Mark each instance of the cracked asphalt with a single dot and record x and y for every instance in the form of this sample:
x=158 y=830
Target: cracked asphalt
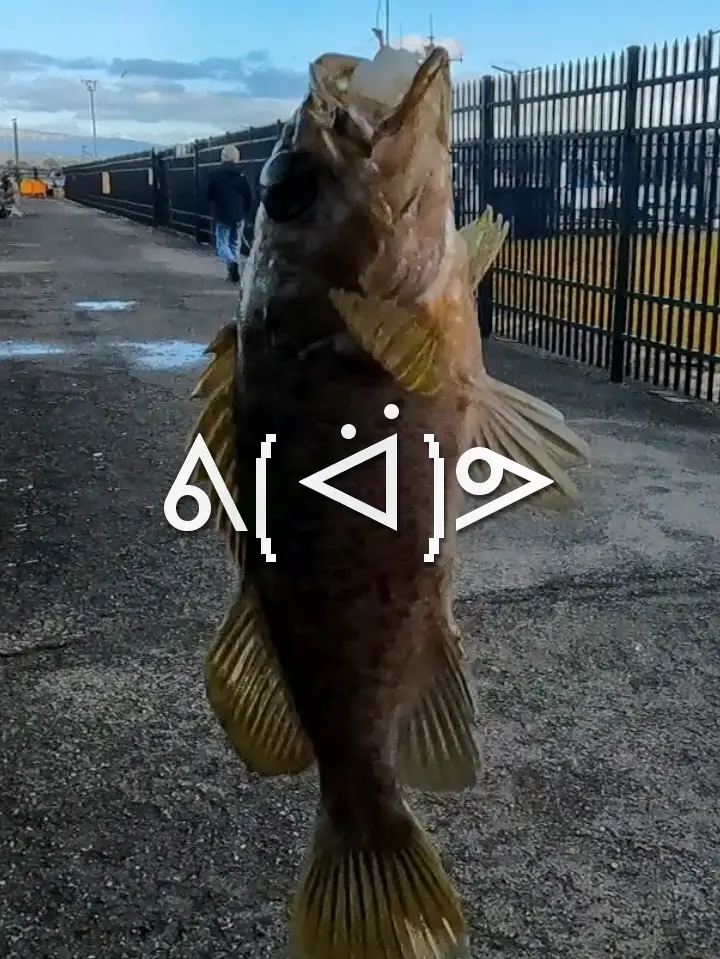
x=127 y=828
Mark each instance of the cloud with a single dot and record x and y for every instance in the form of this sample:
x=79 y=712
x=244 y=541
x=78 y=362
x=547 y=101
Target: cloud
x=213 y=95
x=417 y=44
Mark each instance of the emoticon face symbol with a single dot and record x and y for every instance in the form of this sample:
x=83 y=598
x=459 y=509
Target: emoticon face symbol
x=388 y=447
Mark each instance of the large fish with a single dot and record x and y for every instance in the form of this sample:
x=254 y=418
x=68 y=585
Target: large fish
x=359 y=296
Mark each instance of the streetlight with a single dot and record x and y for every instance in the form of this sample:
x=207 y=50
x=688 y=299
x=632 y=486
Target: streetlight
x=16 y=147
x=91 y=87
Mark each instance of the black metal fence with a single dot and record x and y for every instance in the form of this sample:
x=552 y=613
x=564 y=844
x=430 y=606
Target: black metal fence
x=609 y=171
x=166 y=188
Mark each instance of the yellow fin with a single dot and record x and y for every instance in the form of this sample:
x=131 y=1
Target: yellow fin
x=376 y=903
x=224 y=339
x=398 y=340
x=218 y=372
x=436 y=747
x=249 y=697
x=219 y=437
x=216 y=422
x=484 y=239
x=533 y=434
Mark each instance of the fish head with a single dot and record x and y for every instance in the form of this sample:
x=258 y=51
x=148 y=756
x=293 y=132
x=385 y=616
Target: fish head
x=357 y=193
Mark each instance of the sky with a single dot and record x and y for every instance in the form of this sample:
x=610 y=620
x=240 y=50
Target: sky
x=172 y=70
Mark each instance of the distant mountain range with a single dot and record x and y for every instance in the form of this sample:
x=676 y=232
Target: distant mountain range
x=37 y=145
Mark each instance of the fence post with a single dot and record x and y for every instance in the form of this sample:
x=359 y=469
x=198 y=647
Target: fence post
x=627 y=218
x=485 y=297
x=196 y=189
x=155 y=188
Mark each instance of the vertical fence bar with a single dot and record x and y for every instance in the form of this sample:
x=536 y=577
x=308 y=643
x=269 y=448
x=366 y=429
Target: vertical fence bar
x=485 y=291
x=627 y=217
x=155 y=188
x=196 y=189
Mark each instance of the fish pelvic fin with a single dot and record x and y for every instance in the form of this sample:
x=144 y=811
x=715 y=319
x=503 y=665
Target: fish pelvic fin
x=484 y=238
x=396 y=339
x=248 y=694
x=436 y=747
x=531 y=433
x=363 y=903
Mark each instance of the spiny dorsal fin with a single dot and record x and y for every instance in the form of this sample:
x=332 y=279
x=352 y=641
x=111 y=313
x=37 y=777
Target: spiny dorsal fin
x=216 y=424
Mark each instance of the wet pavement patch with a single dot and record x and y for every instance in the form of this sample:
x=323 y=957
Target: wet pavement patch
x=11 y=349
x=105 y=306
x=166 y=354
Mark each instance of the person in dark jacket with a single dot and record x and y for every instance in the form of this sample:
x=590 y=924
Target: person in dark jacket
x=230 y=199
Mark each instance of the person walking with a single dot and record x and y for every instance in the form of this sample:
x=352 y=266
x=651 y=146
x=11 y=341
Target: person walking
x=11 y=195
x=230 y=199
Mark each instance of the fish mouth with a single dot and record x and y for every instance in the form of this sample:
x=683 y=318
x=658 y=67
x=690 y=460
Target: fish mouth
x=365 y=116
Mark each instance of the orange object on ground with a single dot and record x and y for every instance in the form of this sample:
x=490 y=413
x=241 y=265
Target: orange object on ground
x=29 y=186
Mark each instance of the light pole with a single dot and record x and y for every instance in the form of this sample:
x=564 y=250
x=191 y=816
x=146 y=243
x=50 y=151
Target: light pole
x=91 y=87
x=16 y=147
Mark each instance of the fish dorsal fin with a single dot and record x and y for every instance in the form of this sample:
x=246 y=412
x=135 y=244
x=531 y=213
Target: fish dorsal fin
x=216 y=425
x=483 y=238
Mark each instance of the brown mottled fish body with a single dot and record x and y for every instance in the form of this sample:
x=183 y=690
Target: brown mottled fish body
x=359 y=294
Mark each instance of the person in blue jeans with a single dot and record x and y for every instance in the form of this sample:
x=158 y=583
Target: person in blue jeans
x=230 y=199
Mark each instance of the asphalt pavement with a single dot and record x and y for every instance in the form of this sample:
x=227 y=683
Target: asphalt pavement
x=127 y=828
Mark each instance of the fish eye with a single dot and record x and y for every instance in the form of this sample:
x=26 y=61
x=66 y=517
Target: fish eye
x=289 y=185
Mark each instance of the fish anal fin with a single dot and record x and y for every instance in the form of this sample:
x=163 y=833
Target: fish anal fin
x=436 y=746
x=406 y=345
x=249 y=697
x=367 y=901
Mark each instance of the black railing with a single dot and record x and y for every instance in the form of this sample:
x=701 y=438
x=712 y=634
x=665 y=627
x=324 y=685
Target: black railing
x=609 y=172
x=166 y=188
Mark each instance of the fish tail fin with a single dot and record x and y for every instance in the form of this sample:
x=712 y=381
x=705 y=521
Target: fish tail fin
x=391 y=900
x=484 y=238
x=533 y=435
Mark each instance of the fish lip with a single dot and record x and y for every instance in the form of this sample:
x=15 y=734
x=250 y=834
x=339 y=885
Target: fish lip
x=433 y=67
x=330 y=75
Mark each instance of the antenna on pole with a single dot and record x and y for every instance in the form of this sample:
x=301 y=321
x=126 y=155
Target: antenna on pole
x=430 y=44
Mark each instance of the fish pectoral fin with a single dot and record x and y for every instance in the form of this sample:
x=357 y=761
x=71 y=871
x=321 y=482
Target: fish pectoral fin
x=366 y=902
x=531 y=433
x=402 y=343
x=484 y=239
x=436 y=747
x=248 y=694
